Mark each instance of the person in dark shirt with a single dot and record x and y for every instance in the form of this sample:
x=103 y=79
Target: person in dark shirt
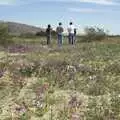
x=48 y=34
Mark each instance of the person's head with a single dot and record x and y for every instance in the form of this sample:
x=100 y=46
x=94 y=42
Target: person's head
x=60 y=23
x=49 y=26
x=71 y=23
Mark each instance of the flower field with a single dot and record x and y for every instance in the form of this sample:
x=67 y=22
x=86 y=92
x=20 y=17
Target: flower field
x=39 y=82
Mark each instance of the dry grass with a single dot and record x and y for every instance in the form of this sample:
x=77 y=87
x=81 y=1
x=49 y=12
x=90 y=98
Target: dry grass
x=71 y=83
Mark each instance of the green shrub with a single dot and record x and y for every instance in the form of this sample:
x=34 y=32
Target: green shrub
x=27 y=35
x=94 y=34
x=41 y=33
x=4 y=36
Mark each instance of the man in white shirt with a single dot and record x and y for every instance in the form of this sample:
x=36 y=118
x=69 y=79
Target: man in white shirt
x=71 y=29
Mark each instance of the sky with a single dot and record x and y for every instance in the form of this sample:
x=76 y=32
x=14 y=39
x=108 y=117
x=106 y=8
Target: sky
x=101 y=13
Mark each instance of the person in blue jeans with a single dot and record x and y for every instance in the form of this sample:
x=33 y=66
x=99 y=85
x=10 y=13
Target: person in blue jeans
x=71 y=35
x=60 y=31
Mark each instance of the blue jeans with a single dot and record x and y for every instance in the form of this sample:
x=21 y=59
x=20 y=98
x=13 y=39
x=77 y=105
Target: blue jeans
x=71 y=39
x=60 y=37
x=74 y=38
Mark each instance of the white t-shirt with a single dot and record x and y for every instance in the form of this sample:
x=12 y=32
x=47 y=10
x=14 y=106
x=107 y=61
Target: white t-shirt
x=71 y=29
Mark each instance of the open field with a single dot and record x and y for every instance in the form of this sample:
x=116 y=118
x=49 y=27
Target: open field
x=79 y=82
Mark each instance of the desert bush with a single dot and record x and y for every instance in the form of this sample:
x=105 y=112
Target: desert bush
x=54 y=33
x=113 y=68
x=94 y=34
x=98 y=109
x=41 y=33
x=3 y=31
x=4 y=36
x=28 y=35
x=115 y=105
x=19 y=49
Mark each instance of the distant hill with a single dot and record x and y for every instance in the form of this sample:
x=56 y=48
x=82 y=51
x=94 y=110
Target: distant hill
x=19 y=28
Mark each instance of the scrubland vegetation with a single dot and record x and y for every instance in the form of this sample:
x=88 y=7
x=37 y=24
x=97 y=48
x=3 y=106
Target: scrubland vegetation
x=39 y=82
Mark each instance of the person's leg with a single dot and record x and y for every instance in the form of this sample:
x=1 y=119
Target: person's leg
x=61 y=37
x=48 y=39
x=69 y=38
x=59 y=40
x=72 y=39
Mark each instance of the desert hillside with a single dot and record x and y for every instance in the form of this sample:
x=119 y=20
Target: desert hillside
x=15 y=28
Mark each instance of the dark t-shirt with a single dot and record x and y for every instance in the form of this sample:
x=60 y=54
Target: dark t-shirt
x=48 y=31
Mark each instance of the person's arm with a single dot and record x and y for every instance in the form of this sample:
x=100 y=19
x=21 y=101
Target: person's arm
x=57 y=29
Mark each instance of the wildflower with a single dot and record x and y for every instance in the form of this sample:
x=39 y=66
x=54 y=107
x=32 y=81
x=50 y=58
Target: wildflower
x=75 y=116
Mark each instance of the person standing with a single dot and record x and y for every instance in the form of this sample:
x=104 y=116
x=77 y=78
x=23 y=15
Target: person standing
x=60 y=31
x=48 y=34
x=71 y=33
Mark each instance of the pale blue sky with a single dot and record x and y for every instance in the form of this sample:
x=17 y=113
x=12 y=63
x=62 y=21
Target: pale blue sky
x=101 y=13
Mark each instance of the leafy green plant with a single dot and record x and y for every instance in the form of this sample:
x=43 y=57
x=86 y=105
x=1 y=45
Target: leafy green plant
x=94 y=34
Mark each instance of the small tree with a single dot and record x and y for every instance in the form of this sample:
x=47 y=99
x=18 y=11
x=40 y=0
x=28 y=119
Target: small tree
x=94 y=34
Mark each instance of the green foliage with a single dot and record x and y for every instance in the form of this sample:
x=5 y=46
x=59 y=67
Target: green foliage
x=4 y=37
x=25 y=116
x=41 y=33
x=27 y=35
x=94 y=34
x=3 y=30
x=27 y=71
